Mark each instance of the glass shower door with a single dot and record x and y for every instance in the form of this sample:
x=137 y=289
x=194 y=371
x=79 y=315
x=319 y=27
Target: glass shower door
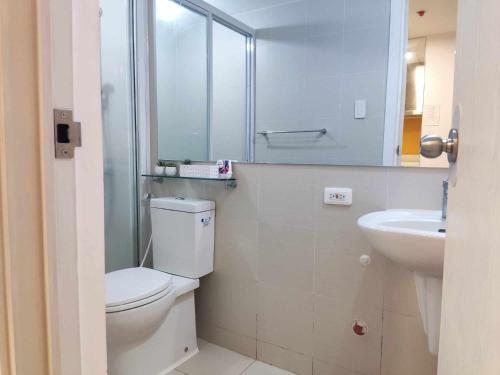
x=120 y=192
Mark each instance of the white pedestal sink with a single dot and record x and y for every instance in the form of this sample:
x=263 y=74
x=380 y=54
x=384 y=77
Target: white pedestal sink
x=414 y=239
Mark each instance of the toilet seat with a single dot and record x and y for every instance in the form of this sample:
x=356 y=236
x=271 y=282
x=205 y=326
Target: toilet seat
x=134 y=287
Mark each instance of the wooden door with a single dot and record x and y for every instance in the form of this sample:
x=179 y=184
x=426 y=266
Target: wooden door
x=470 y=322
x=52 y=318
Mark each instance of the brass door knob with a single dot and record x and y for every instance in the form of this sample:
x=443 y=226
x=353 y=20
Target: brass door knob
x=432 y=146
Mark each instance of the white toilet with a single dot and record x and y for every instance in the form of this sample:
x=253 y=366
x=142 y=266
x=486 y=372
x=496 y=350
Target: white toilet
x=150 y=317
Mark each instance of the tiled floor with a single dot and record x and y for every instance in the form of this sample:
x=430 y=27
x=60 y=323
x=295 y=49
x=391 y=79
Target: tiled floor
x=214 y=360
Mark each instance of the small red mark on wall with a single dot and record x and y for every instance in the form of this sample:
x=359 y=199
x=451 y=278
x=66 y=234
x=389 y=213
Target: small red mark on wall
x=359 y=327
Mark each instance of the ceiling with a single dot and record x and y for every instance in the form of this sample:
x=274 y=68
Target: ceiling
x=233 y=7
x=440 y=17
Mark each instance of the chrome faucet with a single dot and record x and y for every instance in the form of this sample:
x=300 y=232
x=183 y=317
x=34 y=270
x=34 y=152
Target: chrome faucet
x=445 y=199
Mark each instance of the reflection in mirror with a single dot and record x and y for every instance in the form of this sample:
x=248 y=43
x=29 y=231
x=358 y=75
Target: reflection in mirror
x=414 y=101
x=430 y=60
x=415 y=77
x=201 y=82
x=314 y=61
x=181 y=82
x=229 y=121
x=302 y=81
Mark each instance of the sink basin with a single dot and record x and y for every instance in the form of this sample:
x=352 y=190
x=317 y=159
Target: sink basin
x=412 y=238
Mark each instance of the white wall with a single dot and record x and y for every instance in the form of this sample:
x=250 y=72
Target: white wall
x=314 y=58
x=438 y=93
x=288 y=283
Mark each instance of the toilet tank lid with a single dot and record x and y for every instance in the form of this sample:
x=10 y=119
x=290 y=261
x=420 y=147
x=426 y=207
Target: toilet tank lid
x=191 y=205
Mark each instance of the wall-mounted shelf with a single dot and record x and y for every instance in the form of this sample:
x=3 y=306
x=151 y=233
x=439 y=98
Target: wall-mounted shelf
x=228 y=182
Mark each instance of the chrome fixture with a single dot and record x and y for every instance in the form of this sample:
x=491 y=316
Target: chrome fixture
x=432 y=146
x=445 y=199
x=267 y=132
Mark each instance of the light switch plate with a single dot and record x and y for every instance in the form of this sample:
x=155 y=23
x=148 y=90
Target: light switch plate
x=360 y=109
x=339 y=196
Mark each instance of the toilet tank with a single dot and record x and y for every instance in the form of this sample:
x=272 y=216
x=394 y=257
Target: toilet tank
x=183 y=236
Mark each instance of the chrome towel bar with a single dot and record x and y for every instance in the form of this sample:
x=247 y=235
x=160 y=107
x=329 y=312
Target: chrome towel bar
x=267 y=132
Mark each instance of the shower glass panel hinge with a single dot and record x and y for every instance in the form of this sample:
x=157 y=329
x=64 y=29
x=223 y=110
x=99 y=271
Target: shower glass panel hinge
x=67 y=134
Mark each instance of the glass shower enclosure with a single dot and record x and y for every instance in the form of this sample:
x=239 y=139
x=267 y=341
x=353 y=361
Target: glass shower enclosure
x=119 y=135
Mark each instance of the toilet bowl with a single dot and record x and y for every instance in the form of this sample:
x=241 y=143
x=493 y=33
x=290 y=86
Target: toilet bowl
x=137 y=301
x=150 y=321
x=150 y=313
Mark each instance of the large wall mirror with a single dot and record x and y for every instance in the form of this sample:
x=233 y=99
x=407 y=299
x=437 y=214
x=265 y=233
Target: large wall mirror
x=338 y=82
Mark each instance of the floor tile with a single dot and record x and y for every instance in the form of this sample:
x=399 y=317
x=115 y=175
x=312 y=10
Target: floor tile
x=175 y=372
x=259 y=368
x=213 y=359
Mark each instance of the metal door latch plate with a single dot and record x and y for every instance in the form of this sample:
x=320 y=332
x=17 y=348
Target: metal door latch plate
x=67 y=134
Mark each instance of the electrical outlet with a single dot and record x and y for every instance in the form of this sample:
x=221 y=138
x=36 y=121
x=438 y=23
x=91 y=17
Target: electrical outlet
x=340 y=196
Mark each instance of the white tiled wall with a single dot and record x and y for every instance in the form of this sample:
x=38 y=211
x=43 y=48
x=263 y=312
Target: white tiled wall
x=314 y=59
x=288 y=283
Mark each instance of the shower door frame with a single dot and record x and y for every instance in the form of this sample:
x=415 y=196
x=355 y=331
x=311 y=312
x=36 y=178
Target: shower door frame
x=135 y=128
x=212 y=14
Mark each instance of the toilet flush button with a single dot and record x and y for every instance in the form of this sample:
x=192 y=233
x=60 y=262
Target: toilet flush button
x=340 y=196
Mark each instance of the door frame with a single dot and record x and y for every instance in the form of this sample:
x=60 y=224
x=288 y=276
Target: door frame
x=396 y=83
x=51 y=223
x=25 y=310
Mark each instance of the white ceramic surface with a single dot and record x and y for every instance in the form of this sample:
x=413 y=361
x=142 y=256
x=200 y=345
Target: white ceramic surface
x=213 y=359
x=150 y=315
x=152 y=339
x=183 y=236
x=408 y=237
x=159 y=170
x=170 y=171
x=412 y=239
